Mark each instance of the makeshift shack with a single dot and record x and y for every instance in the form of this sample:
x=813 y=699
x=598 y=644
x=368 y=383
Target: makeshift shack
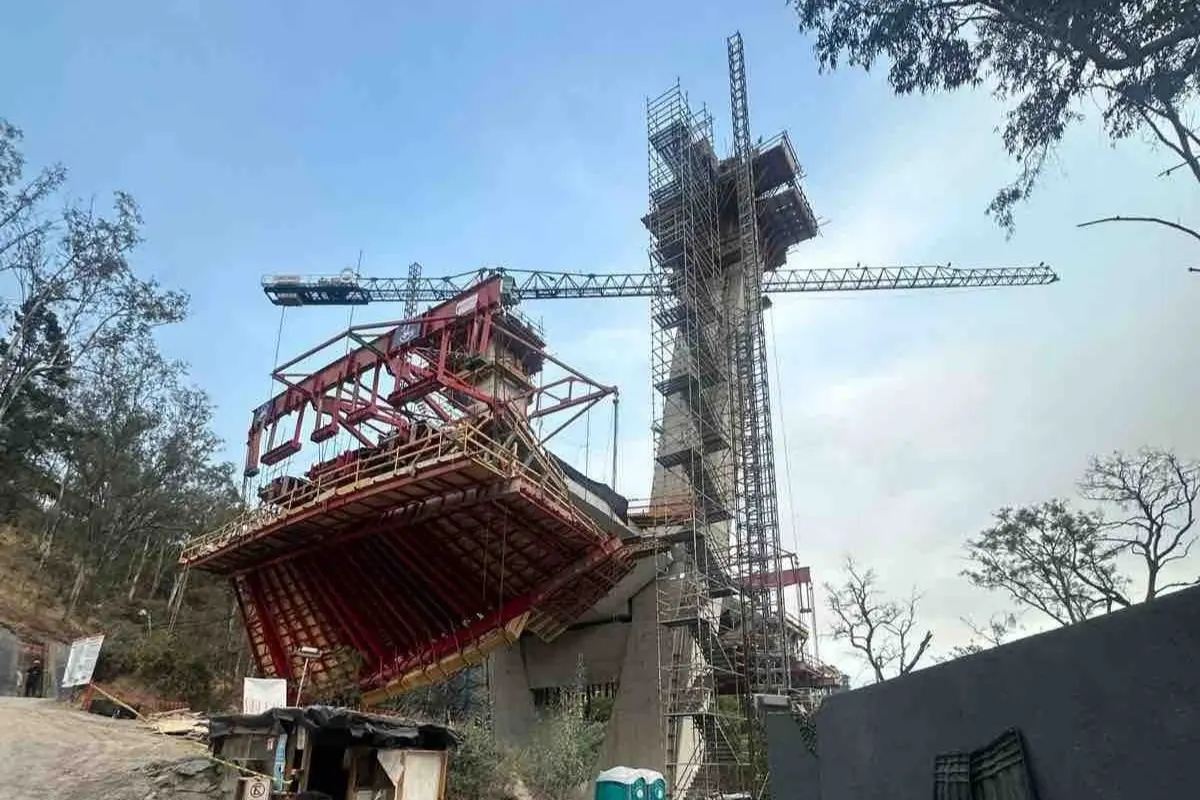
x=345 y=754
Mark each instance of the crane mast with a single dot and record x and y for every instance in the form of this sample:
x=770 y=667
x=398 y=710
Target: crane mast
x=757 y=547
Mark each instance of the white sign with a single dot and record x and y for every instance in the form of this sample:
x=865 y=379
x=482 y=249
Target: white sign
x=257 y=788
x=260 y=695
x=466 y=304
x=81 y=661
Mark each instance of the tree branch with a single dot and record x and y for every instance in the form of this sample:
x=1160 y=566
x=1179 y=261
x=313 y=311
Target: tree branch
x=1155 y=220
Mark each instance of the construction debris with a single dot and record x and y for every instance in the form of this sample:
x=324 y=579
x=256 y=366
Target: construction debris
x=183 y=723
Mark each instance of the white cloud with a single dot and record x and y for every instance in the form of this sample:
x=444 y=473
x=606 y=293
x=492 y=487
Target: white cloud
x=909 y=419
x=899 y=464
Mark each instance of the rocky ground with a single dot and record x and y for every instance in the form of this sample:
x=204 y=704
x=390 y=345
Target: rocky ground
x=53 y=752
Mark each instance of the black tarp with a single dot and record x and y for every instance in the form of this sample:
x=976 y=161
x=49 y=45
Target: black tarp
x=370 y=730
x=602 y=490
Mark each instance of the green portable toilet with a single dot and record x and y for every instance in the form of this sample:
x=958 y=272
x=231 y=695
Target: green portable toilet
x=656 y=784
x=621 y=783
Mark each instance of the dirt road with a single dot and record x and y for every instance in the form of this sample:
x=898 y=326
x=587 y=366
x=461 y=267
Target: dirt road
x=48 y=750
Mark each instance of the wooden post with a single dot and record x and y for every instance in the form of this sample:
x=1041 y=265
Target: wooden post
x=85 y=700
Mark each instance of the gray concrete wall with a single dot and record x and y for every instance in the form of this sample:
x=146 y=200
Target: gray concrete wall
x=619 y=651
x=634 y=736
x=795 y=771
x=1108 y=709
x=601 y=647
x=513 y=712
x=10 y=652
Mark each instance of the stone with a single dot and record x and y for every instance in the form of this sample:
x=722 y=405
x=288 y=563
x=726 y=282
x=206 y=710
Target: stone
x=193 y=766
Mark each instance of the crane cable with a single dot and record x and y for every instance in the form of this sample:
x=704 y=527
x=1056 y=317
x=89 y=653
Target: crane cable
x=270 y=385
x=587 y=441
x=342 y=436
x=787 y=459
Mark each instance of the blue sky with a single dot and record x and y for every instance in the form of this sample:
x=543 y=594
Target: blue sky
x=286 y=137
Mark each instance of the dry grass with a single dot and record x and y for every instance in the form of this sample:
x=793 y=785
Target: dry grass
x=25 y=606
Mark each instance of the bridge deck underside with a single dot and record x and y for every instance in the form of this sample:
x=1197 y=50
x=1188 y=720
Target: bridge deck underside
x=414 y=575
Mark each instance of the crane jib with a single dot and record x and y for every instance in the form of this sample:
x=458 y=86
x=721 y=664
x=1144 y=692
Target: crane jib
x=340 y=290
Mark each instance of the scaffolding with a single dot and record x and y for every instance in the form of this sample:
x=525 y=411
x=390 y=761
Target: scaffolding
x=691 y=370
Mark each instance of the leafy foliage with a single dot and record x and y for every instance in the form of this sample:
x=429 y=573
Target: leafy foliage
x=72 y=262
x=455 y=699
x=34 y=428
x=1138 y=62
x=1071 y=565
x=882 y=630
x=561 y=755
x=480 y=768
x=1049 y=558
x=107 y=456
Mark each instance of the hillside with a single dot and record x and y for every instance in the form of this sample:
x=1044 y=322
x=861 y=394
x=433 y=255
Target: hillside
x=26 y=608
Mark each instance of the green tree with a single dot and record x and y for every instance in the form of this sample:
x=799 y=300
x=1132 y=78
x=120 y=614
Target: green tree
x=1071 y=565
x=34 y=430
x=106 y=451
x=141 y=474
x=480 y=768
x=561 y=754
x=63 y=258
x=1049 y=558
x=1138 y=63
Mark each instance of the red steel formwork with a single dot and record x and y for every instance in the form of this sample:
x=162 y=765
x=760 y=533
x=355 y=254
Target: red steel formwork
x=446 y=533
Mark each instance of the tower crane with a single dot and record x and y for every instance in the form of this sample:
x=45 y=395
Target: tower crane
x=721 y=229
x=348 y=288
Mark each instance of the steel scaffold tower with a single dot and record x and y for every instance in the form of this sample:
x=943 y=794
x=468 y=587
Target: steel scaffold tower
x=694 y=471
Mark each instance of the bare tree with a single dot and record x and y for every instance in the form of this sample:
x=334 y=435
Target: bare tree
x=880 y=629
x=1067 y=564
x=999 y=628
x=1155 y=493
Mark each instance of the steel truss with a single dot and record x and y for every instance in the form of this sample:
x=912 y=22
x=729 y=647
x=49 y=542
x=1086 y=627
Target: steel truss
x=440 y=530
x=350 y=289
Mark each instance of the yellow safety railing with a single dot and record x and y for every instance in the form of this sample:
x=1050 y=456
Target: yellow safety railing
x=462 y=441
x=659 y=511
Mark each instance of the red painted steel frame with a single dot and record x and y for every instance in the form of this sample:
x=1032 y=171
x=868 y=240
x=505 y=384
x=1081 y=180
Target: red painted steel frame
x=442 y=547
x=415 y=355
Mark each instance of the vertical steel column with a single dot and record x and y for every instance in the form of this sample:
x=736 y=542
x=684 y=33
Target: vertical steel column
x=758 y=546
x=412 y=290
